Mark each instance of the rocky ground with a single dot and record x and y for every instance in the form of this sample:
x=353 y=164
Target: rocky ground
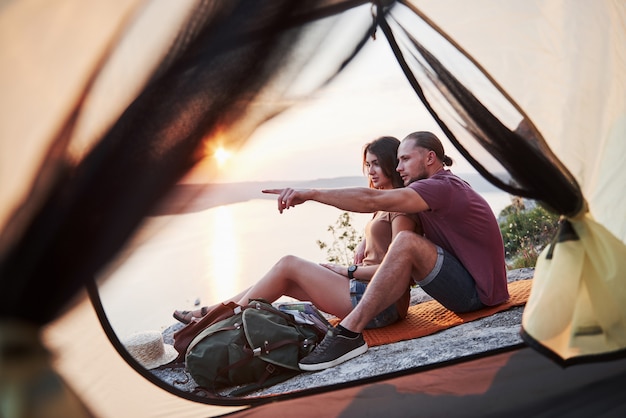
x=497 y=331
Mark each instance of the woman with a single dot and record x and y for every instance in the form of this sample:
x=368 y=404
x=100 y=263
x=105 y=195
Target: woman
x=307 y=281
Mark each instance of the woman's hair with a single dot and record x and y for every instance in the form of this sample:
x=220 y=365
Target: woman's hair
x=429 y=141
x=385 y=149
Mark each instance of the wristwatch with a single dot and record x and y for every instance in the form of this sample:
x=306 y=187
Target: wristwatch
x=351 y=271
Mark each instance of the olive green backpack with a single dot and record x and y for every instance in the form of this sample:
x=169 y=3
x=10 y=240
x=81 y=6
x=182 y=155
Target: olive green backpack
x=257 y=347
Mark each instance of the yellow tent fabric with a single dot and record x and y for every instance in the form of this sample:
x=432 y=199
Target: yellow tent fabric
x=576 y=308
x=571 y=82
x=562 y=62
x=51 y=53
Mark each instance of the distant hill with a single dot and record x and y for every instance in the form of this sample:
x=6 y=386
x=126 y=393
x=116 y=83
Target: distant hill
x=475 y=180
x=196 y=197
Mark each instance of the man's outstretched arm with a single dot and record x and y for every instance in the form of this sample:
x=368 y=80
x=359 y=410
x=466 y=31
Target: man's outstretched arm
x=353 y=199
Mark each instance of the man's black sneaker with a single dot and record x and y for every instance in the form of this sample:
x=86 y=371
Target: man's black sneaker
x=333 y=350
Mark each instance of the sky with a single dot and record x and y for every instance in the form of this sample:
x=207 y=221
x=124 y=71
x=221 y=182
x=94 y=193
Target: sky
x=323 y=136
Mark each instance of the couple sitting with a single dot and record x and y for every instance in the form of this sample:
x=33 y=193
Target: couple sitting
x=436 y=232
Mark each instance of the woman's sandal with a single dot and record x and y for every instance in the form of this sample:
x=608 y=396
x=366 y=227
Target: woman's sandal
x=187 y=316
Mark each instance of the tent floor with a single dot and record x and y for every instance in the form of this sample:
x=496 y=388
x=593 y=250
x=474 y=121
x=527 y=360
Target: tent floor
x=521 y=382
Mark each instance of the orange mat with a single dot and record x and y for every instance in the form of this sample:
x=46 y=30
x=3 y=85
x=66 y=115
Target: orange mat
x=429 y=317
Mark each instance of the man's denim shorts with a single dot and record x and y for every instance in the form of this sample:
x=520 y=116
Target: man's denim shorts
x=451 y=284
x=386 y=317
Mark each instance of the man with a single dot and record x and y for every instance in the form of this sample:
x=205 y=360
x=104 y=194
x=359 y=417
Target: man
x=459 y=260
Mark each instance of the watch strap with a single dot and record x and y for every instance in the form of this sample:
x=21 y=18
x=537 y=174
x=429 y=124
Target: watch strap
x=351 y=271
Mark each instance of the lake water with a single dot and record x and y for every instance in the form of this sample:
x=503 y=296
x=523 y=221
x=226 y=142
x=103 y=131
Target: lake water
x=212 y=254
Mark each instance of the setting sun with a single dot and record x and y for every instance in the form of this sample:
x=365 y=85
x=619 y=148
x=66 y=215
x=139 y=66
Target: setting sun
x=221 y=155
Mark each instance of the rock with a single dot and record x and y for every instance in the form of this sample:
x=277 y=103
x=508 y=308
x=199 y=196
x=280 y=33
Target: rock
x=496 y=331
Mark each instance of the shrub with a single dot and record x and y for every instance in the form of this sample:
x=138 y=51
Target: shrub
x=345 y=240
x=525 y=231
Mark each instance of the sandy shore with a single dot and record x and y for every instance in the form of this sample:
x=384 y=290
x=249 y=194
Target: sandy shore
x=496 y=331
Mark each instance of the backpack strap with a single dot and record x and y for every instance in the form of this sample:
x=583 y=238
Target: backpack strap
x=267 y=347
x=184 y=336
x=254 y=352
x=270 y=369
x=269 y=378
x=265 y=306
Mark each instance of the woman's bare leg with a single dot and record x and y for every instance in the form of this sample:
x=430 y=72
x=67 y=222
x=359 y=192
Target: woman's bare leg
x=297 y=278
x=303 y=280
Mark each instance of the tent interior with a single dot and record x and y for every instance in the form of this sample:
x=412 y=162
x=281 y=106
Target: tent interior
x=107 y=106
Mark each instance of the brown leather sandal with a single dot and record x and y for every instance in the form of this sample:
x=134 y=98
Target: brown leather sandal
x=187 y=316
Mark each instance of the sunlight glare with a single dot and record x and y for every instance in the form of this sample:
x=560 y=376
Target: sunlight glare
x=222 y=155
x=222 y=255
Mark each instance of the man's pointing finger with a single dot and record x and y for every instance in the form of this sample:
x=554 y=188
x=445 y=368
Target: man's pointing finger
x=272 y=191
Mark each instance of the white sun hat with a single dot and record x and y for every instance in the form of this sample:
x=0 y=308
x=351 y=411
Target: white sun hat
x=149 y=350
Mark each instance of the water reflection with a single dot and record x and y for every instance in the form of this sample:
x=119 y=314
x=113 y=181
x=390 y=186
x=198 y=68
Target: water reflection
x=209 y=256
x=222 y=254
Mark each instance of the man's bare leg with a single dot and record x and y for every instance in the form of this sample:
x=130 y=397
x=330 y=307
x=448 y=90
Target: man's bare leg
x=409 y=256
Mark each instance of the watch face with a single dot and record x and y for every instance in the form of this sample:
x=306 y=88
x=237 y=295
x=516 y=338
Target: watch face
x=352 y=268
